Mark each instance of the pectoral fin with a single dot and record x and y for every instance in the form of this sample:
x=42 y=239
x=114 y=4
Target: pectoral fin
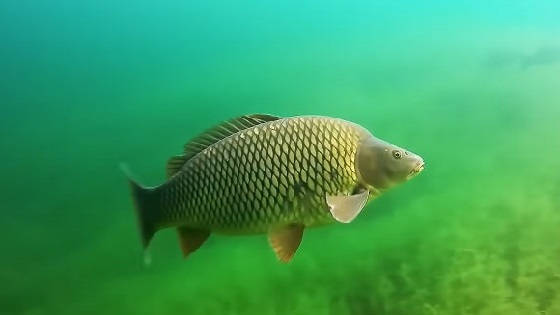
x=191 y=239
x=345 y=208
x=285 y=241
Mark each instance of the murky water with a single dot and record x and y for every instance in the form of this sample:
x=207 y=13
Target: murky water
x=471 y=87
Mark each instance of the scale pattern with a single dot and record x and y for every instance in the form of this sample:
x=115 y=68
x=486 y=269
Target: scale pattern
x=273 y=174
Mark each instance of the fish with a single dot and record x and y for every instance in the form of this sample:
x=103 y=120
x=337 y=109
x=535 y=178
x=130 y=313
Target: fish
x=263 y=174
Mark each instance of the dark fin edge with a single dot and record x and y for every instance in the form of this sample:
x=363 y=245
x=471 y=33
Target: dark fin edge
x=144 y=208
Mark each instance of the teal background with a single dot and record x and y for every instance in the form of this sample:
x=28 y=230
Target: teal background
x=472 y=86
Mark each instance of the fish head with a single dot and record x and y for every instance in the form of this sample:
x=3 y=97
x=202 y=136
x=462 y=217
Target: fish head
x=382 y=165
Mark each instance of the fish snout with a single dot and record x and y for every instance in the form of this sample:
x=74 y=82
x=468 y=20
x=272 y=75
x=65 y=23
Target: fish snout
x=418 y=167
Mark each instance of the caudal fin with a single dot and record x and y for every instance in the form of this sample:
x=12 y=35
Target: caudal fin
x=146 y=206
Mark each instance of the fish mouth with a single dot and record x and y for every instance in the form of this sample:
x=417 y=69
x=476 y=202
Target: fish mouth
x=416 y=170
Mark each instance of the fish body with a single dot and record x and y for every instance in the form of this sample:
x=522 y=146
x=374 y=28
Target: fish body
x=261 y=174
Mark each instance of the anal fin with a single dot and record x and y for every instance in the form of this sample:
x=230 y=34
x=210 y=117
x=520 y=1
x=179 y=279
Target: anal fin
x=191 y=239
x=285 y=241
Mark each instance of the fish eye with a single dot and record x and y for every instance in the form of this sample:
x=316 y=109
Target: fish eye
x=397 y=154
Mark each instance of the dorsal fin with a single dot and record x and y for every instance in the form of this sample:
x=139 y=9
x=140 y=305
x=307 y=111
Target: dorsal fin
x=224 y=130
x=174 y=164
x=214 y=135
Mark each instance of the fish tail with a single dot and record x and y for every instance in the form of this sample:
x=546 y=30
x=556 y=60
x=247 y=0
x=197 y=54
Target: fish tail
x=146 y=206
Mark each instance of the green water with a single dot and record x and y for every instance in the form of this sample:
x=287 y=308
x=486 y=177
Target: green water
x=471 y=86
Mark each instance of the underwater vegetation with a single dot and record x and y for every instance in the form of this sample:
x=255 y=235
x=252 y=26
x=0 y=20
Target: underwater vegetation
x=86 y=86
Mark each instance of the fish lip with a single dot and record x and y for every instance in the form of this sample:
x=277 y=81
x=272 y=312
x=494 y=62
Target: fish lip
x=416 y=170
